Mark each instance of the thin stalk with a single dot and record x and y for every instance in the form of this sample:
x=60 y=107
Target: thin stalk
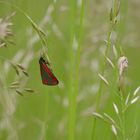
x=74 y=69
x=72 y=96
x=112 y=25
x=122 y=25
x=122 y=116
x=101 y=82
x=121 y=31
x=78 y=55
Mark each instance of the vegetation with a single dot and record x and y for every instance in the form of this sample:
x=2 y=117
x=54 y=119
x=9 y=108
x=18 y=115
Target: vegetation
x=93 y=49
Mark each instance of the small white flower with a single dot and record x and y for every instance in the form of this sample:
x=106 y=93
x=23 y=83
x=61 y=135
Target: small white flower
x=122 y=64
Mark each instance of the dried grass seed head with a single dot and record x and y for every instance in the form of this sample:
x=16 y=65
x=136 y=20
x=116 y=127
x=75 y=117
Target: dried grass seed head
x=5 y=28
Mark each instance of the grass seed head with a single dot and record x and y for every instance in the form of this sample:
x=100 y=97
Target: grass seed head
x=5 y=29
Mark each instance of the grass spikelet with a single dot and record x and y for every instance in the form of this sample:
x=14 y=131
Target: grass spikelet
x=127 y=99
x=20 y=66
x=25 y=73
x=97 y=115
x=17 y=71
x=134 y=100
x=136 y=91
x=14 y=87
x=15 y=67
x=110 y=62
x=111 y=14
x=29 y=90
x=116 y=108
x=19 y=92
x=16 y=83
x=114 y=130
x=104 y=79
x=2 y=45
x=109 y=118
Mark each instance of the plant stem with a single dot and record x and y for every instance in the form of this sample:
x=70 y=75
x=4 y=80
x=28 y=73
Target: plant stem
x=122 y=117
x=121 y=31
x=101 y=82
x=72 y=95
x=74 y=68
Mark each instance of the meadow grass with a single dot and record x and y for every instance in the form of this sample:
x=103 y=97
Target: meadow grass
x=118 y=126
x=74 y=41
x=113 y=17
x=75 y=52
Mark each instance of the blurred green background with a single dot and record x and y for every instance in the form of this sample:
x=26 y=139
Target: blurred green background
x=44 y=115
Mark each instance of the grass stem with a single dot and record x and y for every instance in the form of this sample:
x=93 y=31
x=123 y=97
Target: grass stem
x=74 y=67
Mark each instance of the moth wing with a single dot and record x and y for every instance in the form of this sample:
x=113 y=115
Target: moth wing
x=47 y=76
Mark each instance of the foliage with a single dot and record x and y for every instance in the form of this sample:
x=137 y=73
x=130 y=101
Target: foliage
x=89 y=44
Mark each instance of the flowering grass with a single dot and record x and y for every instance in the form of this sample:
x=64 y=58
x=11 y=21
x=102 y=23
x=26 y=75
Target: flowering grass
x=94 y=52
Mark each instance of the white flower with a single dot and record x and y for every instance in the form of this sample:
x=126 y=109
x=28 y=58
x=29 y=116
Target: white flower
x=122 y=64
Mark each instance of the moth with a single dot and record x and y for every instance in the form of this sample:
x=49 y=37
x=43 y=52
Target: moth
x=47 y=76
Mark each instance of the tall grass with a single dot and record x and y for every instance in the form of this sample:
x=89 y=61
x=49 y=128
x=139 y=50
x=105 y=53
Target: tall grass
x=20 y=62
x=112 y=23
x=52 y=113
x=75 y=52
x=123 y=99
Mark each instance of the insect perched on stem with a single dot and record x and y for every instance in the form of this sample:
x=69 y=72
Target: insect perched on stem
x=47 y=76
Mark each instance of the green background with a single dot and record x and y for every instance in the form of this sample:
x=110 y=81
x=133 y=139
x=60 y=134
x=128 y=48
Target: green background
x=44 y=115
